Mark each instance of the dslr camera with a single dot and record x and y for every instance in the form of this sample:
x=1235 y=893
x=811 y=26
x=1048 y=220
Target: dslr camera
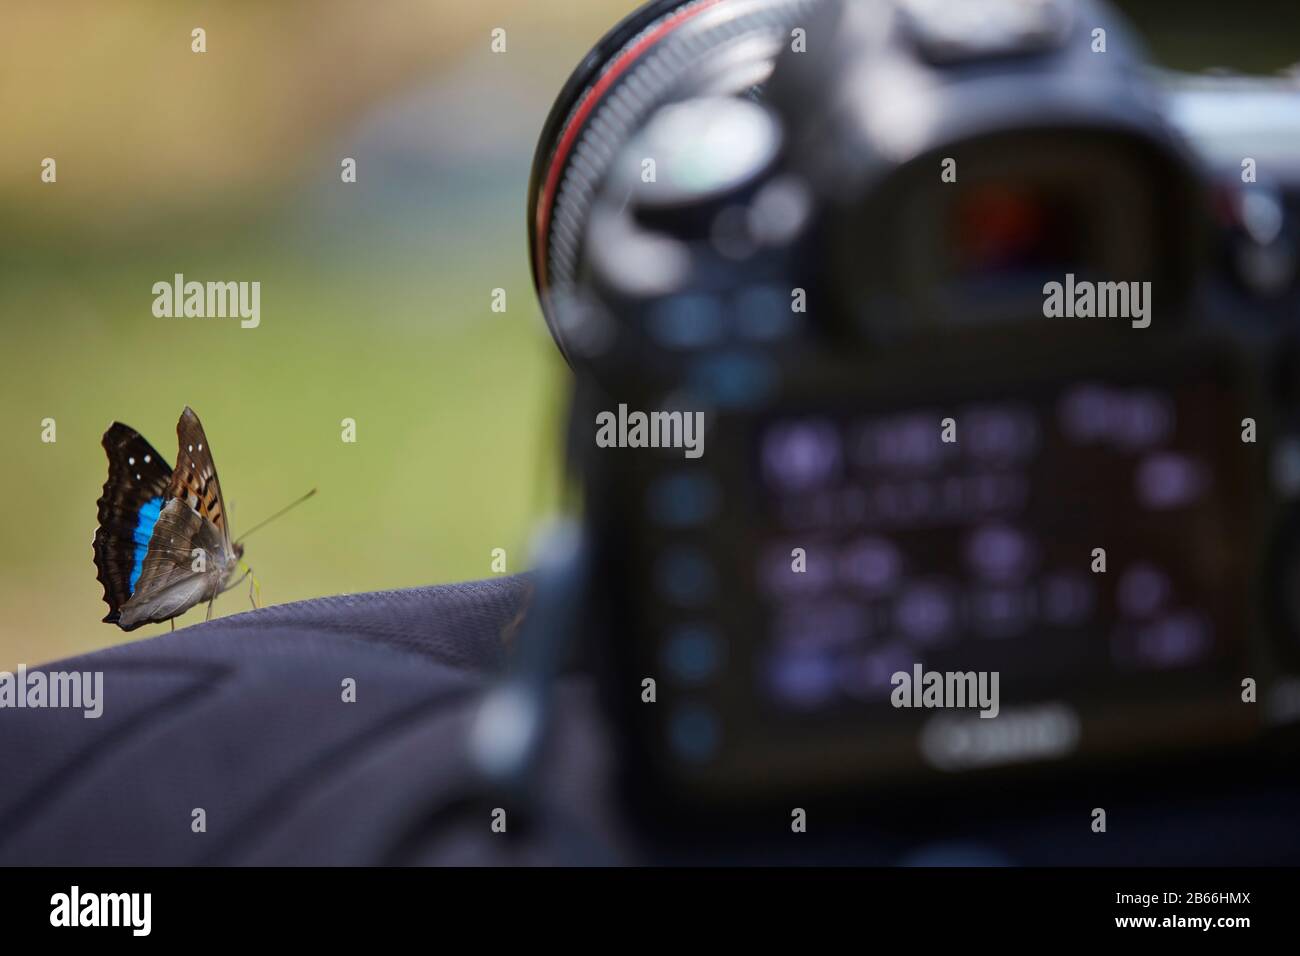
x=935 y=413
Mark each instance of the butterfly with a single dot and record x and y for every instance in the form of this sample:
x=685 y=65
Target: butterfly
x=163 y=543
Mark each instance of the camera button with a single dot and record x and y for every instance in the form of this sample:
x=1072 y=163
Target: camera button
x=686 y=322
x=762 y=313
x=694 y=733
x=693 y=654
x=686 y=577
x=734 y=380
x=683 y=500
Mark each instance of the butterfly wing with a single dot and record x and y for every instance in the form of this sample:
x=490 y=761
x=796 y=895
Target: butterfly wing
x=169 y=583
x=194 y=480
x=133 y=497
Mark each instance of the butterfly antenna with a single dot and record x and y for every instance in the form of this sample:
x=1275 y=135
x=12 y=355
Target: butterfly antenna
x=286 y=508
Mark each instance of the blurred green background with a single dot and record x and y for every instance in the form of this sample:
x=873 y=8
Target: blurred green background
x=376 y=297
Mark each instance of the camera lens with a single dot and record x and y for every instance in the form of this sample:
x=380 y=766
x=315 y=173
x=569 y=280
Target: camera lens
x=663 y=53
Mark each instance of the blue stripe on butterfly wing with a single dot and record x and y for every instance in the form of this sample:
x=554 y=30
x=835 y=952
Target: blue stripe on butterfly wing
x=144 y=522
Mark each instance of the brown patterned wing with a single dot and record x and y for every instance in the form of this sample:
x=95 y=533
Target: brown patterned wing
x=185 y=564
x=194 y=479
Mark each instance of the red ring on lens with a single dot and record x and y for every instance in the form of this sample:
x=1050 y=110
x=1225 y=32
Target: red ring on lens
x=617 y=67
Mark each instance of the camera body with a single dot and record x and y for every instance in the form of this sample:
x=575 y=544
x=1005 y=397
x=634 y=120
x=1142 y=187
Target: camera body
x=919 y=339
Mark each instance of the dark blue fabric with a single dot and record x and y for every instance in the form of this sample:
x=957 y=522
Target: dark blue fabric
x=243 y=717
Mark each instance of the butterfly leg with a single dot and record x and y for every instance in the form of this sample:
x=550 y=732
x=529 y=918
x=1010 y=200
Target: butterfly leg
x=172 y=622
x=209 y=617
x=248 y=573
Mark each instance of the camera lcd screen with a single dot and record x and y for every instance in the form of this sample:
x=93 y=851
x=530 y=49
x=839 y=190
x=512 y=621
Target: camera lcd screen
x=1083 y=542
